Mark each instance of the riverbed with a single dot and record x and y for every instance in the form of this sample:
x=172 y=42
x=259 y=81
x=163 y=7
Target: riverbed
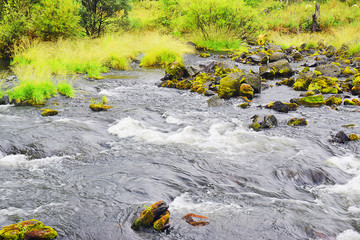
x=90 y=174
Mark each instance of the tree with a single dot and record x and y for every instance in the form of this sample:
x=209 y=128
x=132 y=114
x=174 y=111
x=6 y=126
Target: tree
x=97 y=14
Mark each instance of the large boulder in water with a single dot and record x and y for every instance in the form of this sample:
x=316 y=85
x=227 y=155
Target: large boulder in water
x=156 y=215
x=30 y=230
x=230 y=86
x=269 y=121
x=176 y=70
x=253 y=80
x=279 y=68
x=330 y=70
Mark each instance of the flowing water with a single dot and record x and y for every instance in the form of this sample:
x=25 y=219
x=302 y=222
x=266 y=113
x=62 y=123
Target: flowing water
x=89 y=174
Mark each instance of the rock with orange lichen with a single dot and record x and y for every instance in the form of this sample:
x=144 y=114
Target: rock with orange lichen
x=196 y=220
x=29 y=230
x=156 y=215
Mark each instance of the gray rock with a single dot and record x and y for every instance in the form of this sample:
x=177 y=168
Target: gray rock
x=209 y=93
x=193 y=70
x=276 y=56
x=279 y=68
x=330 y=70
x=214 y=101
x=253 y=80
x=258 y=58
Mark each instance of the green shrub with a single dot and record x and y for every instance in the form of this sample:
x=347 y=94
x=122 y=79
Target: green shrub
x=55 y=19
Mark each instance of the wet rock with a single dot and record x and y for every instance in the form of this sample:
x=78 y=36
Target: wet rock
x=297 y=122
x=269 y=121
x=209 y=93
x=279 y=68
x=192 y=70
x=354 y=137
x=244 y=105
x=279 y=106
x=176 y=70
x=295 y=54
x=310 y=63
x=330 y=51
x=287 y=81
x=258 y=58
x=246 y=91
x=276 y=56
x=30 y=230
x=49 y=112
x=330 y=70
x=214 y=101
x=97 y=107
x=196 y=220
x=253 y=80
x=209 y=68
x=230 y=86
x=341 y=137
x=333 y=100
x=312 y=101
x=150 y=216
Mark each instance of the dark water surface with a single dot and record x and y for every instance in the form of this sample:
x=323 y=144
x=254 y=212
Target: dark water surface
x=89 y=174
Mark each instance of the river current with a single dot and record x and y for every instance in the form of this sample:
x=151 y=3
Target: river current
x=90 y=174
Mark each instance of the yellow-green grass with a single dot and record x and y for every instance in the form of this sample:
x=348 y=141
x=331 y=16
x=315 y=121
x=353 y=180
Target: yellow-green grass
x=349 y=35
x=65 y=88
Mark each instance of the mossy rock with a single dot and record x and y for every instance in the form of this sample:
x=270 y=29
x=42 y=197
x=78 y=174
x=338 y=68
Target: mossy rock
x=30 y=230
x=312 y=101
x=302 y=84
x=297 y=122
x=151 y=215
x=49 y=112
x=230 y=86
x=204 y=55
x=176 y=70
x=356 y=80
x=329 y=70
x=279 y=68
x=305 y=70
x=356 y=101
x=349 y=102
x=244 y=105
x=333 y=100
x=170 y=83
x=309 y=93
x=246 y=91
x=350 y=71
x=355 y=90
x=354 y=137
x=287 y=81
x=163 y=220
x=97 y=107
x=325 y=85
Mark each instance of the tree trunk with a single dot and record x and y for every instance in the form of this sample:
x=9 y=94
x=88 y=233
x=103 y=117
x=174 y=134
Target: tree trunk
x=316 y=18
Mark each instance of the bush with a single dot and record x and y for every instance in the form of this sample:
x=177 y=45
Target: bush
x=55 y=19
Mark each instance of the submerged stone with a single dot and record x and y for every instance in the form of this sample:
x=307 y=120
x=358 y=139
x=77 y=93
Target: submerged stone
x=29 y=230
x=49 y=112
x=297 y=122
x=196 y=220
x=312 y=101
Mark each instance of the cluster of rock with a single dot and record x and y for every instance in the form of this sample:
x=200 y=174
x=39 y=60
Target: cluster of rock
x=329 y=77
x=29 y=230
x=157 y=216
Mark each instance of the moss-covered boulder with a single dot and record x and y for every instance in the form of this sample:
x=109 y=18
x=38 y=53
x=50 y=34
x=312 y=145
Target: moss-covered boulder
x=279 y=68
x=97 y=107
x=253 y=80
x=246 y=91
x=297 y=122
x=269 y=121
x=176 y=70
x=150 y=216
x=287 y=81
x=230 y=86
x=49 y=112
x=204 y=55
x=333 y=100
x=282 y=107
x=350 y=71
x=356 y=101
x=29 y=230
x=312 y=101
x=355 y=90
x=331 y=70
x=356 y=80
x=302 y=84
x=325 y=85
x=349 y=102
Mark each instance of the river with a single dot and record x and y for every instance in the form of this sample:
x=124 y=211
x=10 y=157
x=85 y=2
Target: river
x=89 y=174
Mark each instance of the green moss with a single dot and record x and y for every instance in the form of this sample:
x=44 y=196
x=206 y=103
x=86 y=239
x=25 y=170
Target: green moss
x=162 y=221
x=204 y=55
x=348 y=71
x=325 y=85
x=305 y=70
x=309 y=93
x=302 y=84
x=356 y=101
x=336 y=63
x=333 y=100
x=30 y=229
x=312 y=101
x=348 y=102
x=356 y=81
x=49 y=112
x=354 y=137
x=97 y=107
x=347 y=61
x=318 y=73
x=244 y=105
x=230 y=86
x=297 y=122
x=246 y=91
x=255 y=126
x=169 y=83
x=175 y=70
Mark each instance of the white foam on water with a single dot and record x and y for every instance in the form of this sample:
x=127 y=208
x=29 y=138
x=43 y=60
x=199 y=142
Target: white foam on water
x=12 y=211
x=185 y=204
x=219 y=136
x=349 y=164
x=21 y=162
x=348 y=235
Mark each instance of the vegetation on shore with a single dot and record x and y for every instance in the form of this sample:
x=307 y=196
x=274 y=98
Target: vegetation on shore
x=65 y=37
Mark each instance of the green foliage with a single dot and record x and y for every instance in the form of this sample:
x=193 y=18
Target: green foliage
x=55 y=19
x=66 y=89
x=32 y=92
x=97 y=14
